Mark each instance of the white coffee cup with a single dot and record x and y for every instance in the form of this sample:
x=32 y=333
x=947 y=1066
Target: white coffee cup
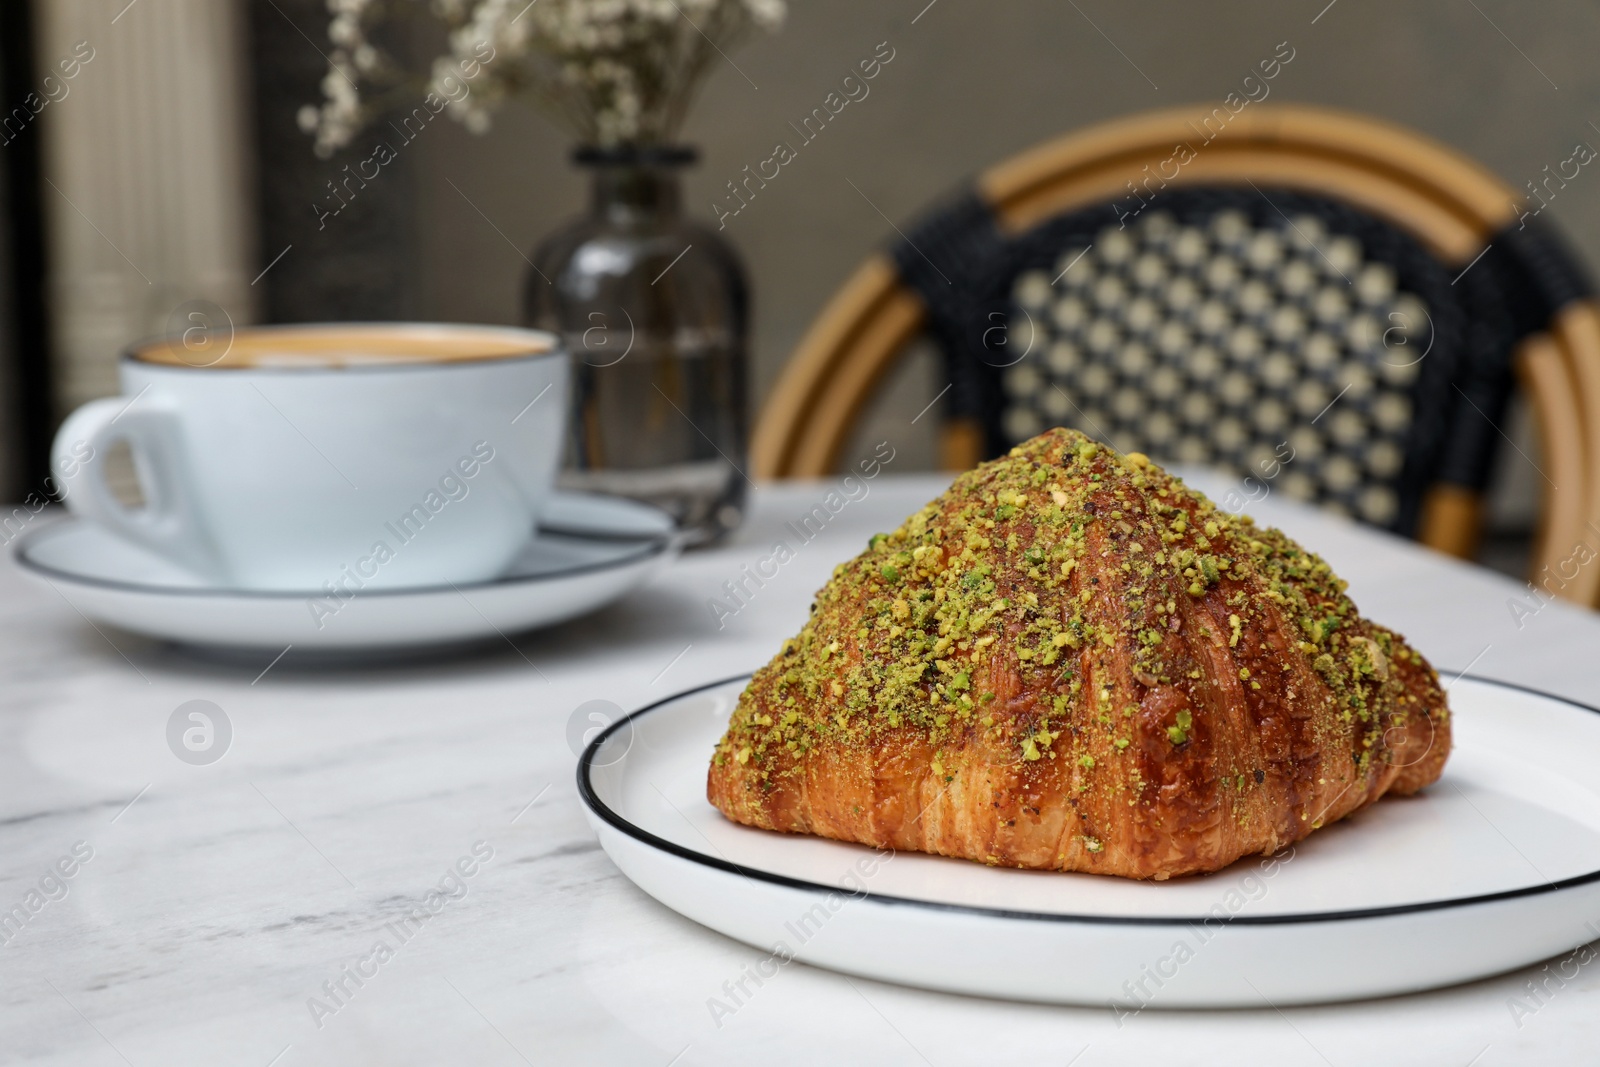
x=353 y=456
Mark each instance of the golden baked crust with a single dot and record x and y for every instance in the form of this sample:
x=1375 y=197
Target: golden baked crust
x=1072 y=661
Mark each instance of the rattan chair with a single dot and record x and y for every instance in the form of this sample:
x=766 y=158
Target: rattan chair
x=1237 y=290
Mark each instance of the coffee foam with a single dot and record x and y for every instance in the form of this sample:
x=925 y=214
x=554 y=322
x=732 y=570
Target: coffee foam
x=339 y=347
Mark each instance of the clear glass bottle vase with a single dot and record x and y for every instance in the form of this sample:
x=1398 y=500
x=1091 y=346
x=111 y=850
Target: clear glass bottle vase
x=654 y=310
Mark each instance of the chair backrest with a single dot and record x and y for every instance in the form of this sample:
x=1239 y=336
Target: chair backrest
x=1320 y=301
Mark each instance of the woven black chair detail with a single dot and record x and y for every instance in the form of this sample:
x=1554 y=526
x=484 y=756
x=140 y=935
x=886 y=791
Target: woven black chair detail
x=1283 y=336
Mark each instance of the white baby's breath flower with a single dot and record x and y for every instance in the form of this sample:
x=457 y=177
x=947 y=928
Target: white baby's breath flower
x=612 y=71
x=344 y=30
x=768 y=14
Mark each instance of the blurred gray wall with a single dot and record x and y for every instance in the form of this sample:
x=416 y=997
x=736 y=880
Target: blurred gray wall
x=1514 y=85
x=973 y=83
x=134 y=236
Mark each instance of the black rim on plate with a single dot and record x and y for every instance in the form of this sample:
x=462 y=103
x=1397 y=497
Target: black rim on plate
x=592 y=800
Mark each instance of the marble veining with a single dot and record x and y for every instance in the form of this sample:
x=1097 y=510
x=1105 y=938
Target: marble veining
x=223 y=903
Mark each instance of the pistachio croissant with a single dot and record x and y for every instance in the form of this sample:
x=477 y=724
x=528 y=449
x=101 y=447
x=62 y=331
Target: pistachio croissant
x=1072 y=661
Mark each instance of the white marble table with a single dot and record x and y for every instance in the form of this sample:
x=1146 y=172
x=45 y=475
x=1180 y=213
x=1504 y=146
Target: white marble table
x=218 y=900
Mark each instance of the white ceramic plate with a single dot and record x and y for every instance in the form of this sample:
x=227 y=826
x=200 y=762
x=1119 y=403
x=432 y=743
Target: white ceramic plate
x=590 y=551
x=1494 y=867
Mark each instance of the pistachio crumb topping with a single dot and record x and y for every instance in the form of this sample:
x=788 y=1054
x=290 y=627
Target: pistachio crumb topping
x=992 y=616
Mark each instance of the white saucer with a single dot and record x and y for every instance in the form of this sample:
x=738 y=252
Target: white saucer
x=1494 y=867
x=590 y=551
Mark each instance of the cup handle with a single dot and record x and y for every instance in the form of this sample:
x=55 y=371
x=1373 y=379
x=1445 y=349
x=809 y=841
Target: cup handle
x=168 y=524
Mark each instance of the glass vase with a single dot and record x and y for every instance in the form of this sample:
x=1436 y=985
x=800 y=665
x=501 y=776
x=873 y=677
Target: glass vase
x=654 y=309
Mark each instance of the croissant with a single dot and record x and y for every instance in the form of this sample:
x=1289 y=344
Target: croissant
x=1072 y=661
